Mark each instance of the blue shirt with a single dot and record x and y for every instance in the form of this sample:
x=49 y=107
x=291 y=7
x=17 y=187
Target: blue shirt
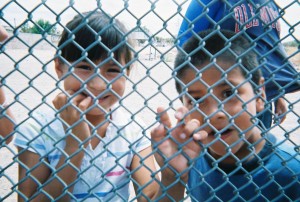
x=272 y=175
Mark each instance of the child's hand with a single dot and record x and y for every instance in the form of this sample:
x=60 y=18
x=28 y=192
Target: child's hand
x=280 y=110
x=183 y=137
x=74 y=117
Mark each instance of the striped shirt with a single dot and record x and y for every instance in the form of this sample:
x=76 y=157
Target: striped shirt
x=104 y=173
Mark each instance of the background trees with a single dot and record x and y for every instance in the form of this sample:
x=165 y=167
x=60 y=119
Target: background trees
x=39 y=27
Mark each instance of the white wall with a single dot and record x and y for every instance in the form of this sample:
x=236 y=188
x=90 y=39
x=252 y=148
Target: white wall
x=28 y=40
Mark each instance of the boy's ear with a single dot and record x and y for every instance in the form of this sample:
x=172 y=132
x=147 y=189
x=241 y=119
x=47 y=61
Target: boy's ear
x=58 y=68
x=260 y=100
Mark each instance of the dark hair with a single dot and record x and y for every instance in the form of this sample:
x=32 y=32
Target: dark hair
x=221 y=45
x=96 y=35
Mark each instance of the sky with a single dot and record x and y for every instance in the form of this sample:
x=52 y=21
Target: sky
x=136 y=12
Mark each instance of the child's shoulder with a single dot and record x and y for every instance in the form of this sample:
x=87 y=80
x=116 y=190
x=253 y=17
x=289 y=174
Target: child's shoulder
x=39 y=131
x=289 y=153
x=44 y=113
x=44 y=116
x=43 y=120
x=284 y=154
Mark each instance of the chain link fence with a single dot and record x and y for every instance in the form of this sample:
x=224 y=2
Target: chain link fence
x=30 y=75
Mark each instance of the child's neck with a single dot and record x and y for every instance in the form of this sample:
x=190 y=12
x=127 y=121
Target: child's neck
x=245 y=153
x=96 y=120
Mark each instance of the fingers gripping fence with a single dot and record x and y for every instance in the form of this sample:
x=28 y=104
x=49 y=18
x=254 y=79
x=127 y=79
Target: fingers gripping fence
x=150 y=100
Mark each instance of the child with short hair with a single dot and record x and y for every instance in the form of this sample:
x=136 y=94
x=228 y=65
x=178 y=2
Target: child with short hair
x=260 y=21
x=217 y=146
x=91 y=148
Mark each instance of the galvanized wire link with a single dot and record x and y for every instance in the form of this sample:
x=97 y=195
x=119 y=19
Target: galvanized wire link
x=29 y=58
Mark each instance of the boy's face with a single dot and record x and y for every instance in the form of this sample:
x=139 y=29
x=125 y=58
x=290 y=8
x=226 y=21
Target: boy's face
x=229 y=104
x=105 y=83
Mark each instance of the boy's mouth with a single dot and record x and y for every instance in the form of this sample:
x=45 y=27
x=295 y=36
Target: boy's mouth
x=85 y=94
x=223 y=133
x=103 y=97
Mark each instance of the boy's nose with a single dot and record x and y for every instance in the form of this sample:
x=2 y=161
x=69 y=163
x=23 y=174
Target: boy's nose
x=216 y=111
x=97 y=83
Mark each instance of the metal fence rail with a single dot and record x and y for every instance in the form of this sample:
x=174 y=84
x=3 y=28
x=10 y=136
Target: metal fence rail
x=30 y=82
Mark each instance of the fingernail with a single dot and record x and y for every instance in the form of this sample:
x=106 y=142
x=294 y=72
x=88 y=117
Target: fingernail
x=179 y=115
x=200 y=135
x=197 y=136
x=182 y=136
x=161 y=127
x=194 y=121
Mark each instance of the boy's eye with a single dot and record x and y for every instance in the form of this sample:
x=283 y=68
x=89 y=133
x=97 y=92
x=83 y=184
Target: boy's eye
x=228 y=93
x=83 y=67
x=196 y=101
x=114 y=70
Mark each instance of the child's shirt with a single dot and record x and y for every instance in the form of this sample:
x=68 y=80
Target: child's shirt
x=104 y=173
x=272 y=175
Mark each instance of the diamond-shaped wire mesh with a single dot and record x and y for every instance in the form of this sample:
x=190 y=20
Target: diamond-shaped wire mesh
x=127 y=102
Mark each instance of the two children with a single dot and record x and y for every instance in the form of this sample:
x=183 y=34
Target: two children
x=217 y=146
x=91 y=148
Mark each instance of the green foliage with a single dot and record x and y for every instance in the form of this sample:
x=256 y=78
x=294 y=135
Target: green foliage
x=39 y=27
x=158 y=39
x=292 y=43
x=25 y=28
x=169 y=40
